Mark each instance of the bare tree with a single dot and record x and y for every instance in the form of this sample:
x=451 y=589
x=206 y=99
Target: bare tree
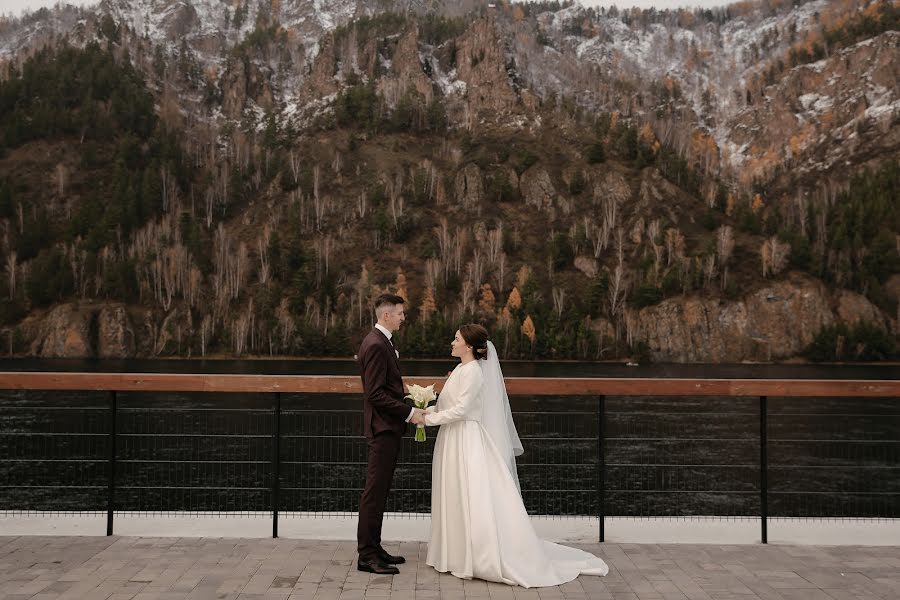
x=77 y=260
x=495 y=243
x=206 y=331
x=239 y=329
x=320 y=203
x=210 y=197
x=337 y=165
x=459 y=244
x=221 y=175
x=286 y=324
x=821 y=243
x=220 y=264
x=324 y=246
x=433 y=270
x=724 y=249
x=610 y=208
x=500 y=272
x=262 y=244
x=477 y=265
x=395 y=196
x=362 y=205
x=11 y=272
x=467 y=294
x=653 y=238
x=294 y=160
x=801 y=204
x=61 y=177
x=444 y=240
x=709 y=269
x=616 y=290
x=559 y=297
x=195 y=279
x=167 y=183
x=674 y=245
x=774 y=256
x=241 y=270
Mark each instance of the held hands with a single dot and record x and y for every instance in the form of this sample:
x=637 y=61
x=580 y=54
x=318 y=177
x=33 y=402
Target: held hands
x=418 y=417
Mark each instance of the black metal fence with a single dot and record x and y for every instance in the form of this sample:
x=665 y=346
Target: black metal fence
x=238 y=453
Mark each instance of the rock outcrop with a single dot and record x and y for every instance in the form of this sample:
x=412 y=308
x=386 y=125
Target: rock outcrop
x=242 y=81
x=469 y=187
x=537 y=188
x=63 y=332
x=823 y=113
x=406 y=71
x=776 y=322
x=115 y=334
x=481 y=64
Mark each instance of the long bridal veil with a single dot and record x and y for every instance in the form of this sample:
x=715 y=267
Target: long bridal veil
x=497 y=417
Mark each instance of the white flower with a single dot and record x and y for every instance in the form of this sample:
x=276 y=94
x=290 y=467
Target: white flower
x=421 y=396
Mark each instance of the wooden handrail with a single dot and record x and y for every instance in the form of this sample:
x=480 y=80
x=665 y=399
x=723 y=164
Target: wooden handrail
x=516 y=386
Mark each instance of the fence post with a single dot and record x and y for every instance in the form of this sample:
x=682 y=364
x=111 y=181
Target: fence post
x=763 y=469
x=601 y=467
x=111 y=465
x=276 y=463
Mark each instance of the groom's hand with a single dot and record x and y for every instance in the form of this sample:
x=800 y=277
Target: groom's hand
x=418 y=418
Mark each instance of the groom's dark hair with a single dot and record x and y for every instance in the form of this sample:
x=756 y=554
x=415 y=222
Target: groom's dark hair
x=385 y=300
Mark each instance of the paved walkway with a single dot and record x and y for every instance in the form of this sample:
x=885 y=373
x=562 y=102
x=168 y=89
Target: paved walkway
x=94 y=568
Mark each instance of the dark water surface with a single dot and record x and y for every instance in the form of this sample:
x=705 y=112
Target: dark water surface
x=419 y=367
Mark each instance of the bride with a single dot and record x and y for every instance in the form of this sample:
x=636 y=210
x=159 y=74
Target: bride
x=479 y=526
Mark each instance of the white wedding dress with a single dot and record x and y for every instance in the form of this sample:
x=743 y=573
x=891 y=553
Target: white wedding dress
x=479 y=526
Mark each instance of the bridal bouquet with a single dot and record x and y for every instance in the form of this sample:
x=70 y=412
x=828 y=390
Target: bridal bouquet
x=421 y=397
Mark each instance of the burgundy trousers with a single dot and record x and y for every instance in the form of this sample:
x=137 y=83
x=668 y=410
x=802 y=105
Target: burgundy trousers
x=383 y=449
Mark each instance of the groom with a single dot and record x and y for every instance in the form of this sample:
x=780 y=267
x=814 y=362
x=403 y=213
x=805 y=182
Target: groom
x=385 y=416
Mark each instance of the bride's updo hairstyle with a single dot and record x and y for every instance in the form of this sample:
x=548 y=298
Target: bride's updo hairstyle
x=476 y=336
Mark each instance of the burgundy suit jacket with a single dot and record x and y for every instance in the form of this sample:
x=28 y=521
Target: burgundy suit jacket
x=383 y=406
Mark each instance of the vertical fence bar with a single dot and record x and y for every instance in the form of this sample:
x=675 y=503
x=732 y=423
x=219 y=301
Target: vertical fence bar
x=601 y=467
x=276 y=462
x=763 y=470
x=111 y=465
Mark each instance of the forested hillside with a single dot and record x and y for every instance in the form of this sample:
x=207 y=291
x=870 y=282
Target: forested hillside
x=175 y=186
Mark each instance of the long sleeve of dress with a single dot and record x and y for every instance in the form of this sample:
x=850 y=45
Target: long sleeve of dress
x=469 y=391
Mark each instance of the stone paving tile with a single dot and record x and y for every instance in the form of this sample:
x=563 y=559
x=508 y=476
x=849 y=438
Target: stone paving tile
x=45 y=568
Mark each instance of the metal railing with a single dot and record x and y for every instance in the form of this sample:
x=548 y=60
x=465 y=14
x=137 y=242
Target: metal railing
x=235 y=444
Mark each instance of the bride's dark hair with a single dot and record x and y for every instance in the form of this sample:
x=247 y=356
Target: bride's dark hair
x=476 y=336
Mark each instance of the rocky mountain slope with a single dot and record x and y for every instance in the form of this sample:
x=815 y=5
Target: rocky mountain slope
x=680 y=186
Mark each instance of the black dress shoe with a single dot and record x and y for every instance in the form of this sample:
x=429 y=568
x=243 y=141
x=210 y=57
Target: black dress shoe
x=390 y=559
x=375 y=565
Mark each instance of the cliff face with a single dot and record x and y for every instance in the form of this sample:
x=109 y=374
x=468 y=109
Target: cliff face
x=481 y=65
x=406 y=71
x=838 y=111
x=775 y=322
x=64 y=332
x=83 y=330
x=244 y=81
